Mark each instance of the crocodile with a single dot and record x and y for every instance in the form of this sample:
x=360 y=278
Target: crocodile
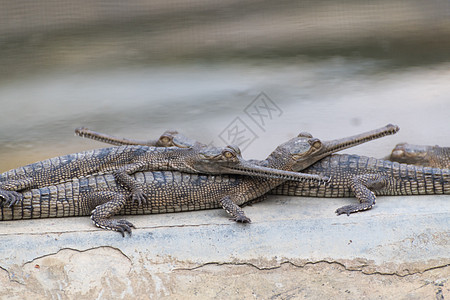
x=122 y=161
x=422 y=155
x=172 y=191
x=427 y=156
x=367 y=177
x=364 y=177
x=170 y=138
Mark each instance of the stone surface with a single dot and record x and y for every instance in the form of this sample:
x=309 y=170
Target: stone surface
x=294 y=248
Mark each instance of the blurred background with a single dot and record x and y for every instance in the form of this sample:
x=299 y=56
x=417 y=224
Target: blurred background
x=253 y=73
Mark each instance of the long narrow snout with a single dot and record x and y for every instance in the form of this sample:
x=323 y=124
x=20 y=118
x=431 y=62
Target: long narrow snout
x=329 y=147
x=249 y=169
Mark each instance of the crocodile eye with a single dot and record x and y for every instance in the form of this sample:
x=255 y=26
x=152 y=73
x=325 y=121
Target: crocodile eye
x=228 y=154
x=316 y=143
x=165 y=140
x=305 y=134
x=235 y=149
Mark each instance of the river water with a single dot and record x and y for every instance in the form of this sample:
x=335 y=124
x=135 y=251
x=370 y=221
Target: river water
x=257 y=104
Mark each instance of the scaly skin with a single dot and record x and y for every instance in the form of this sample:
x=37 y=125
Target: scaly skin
x=366 y=177
x=101 y=197
x=125 y=160
x=172 y=191
x=427 y=156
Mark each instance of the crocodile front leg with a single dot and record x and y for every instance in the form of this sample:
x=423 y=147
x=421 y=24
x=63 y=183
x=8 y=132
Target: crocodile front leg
x=122 y=176
x=234 y=210
x=8 y=190
x=10 y=197
x=360 y=186
x=108 y=204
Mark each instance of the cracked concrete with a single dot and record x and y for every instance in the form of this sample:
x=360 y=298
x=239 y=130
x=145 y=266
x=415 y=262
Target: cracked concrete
x=399 y=249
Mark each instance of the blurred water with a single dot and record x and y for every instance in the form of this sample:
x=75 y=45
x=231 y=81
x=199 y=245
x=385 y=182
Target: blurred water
x=137 y=68
x=331 y=98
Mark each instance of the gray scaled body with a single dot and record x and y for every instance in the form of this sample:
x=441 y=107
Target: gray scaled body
x=366 y=177
x=173 y=191
x=122 y=161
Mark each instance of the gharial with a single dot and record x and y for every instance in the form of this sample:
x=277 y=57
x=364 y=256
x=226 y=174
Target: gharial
x=125 y=160
x=173 y=191
x=354 y=175
x=423 y=155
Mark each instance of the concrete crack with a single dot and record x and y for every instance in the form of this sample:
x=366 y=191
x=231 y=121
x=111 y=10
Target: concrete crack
x=12 y=279
x=79 y=251
x=311 y=263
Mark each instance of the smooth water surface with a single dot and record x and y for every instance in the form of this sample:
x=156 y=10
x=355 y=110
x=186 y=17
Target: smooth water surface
x=330 y=98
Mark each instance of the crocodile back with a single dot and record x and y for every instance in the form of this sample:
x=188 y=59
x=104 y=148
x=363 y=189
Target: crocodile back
x=167 y=191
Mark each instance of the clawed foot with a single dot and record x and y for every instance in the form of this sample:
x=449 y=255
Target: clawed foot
x=241 y=219
x=139 y=196
x=10 y=197
x=353 y=208
x=121 y=226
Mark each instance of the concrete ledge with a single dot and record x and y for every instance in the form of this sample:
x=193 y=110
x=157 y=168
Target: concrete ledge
x=405 y=237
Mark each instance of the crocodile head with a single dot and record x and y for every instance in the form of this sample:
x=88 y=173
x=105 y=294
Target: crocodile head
x=427 y=156
x=304 y=150
x=172 y=138
x=411 y=154
x=228 y=160
x=211 y=159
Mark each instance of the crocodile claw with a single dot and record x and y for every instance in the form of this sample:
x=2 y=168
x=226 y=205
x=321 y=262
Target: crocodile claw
x=121 y=226
x=241 y=219
x=344 y=210
x=11 y=197
x=139 y=196
x=353 y=208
